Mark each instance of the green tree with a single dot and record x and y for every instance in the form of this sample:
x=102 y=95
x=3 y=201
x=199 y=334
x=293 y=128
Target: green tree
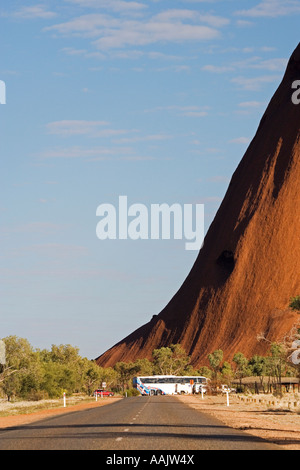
x=72 y=366
x=205 y=372
x=19 y=352
x=32 y=379
x=241 y=369
x=91 y=376
x=227 y=373
x=51 y=383
x=109 y=376
x=259 y=367
x=215 y=360
x=125 y=373
x=95 y=376
x=295 y=303
x=17 y=377
x=171 y=360
x=144 y=367
x=64 y=354
x=278 y=362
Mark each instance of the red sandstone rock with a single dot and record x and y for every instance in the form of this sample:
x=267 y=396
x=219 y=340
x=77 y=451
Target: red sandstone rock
x=248 y=268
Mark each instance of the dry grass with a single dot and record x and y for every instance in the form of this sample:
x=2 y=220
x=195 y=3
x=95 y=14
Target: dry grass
x=26 y=407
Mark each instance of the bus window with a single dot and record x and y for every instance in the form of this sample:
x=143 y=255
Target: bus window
x=147 y=381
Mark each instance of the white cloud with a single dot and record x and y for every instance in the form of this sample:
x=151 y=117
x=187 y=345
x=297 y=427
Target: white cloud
x=100 y=153
x=194 y=113
x=272 y=65
x=131 y=54
x=35 y=11
x=217 y=68
x=275 y=64
x=240 y=140
x=170 y=26
x=73 y=51
x=272 y=9
x=54 y=251
x=175 y=68
x=244 y=23
x=153 y=32
x=162 y=56
x=248 y=107
x=89 y=25
x=114 y=5
x=94 y=154
x=210 y=200
x=31 y=228
x=88 y=128
x=268 y=49
x=218 y=179
x=251 y=104
x=67 y=128
x=176 y=15
x=189 y=111
x=255 y=84
x=146 y=138
x=136 y=158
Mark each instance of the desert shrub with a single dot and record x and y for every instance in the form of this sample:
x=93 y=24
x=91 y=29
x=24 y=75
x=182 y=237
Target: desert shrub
x=131 y=392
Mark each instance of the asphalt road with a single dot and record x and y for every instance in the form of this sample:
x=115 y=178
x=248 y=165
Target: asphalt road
x=137 y=423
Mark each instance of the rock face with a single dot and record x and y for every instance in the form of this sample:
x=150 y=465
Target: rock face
x=248 y=268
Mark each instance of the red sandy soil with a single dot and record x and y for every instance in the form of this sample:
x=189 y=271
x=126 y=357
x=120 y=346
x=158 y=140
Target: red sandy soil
x=276 y=424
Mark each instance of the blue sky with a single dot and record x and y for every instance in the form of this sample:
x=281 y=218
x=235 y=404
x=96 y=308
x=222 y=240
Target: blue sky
x=154 y=100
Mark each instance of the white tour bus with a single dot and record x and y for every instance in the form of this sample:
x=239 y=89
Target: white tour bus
x=170 y=384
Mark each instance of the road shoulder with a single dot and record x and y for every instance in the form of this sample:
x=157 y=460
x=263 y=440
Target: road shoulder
x=21 y=419
x=277 y=426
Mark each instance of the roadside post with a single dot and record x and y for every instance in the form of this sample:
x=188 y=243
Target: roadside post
x=227 y=393
x=202 y=393
x=64 y=399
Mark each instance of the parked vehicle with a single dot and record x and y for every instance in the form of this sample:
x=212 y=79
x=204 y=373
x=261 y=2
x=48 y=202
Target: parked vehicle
x=103 y=393
x=169 y=384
